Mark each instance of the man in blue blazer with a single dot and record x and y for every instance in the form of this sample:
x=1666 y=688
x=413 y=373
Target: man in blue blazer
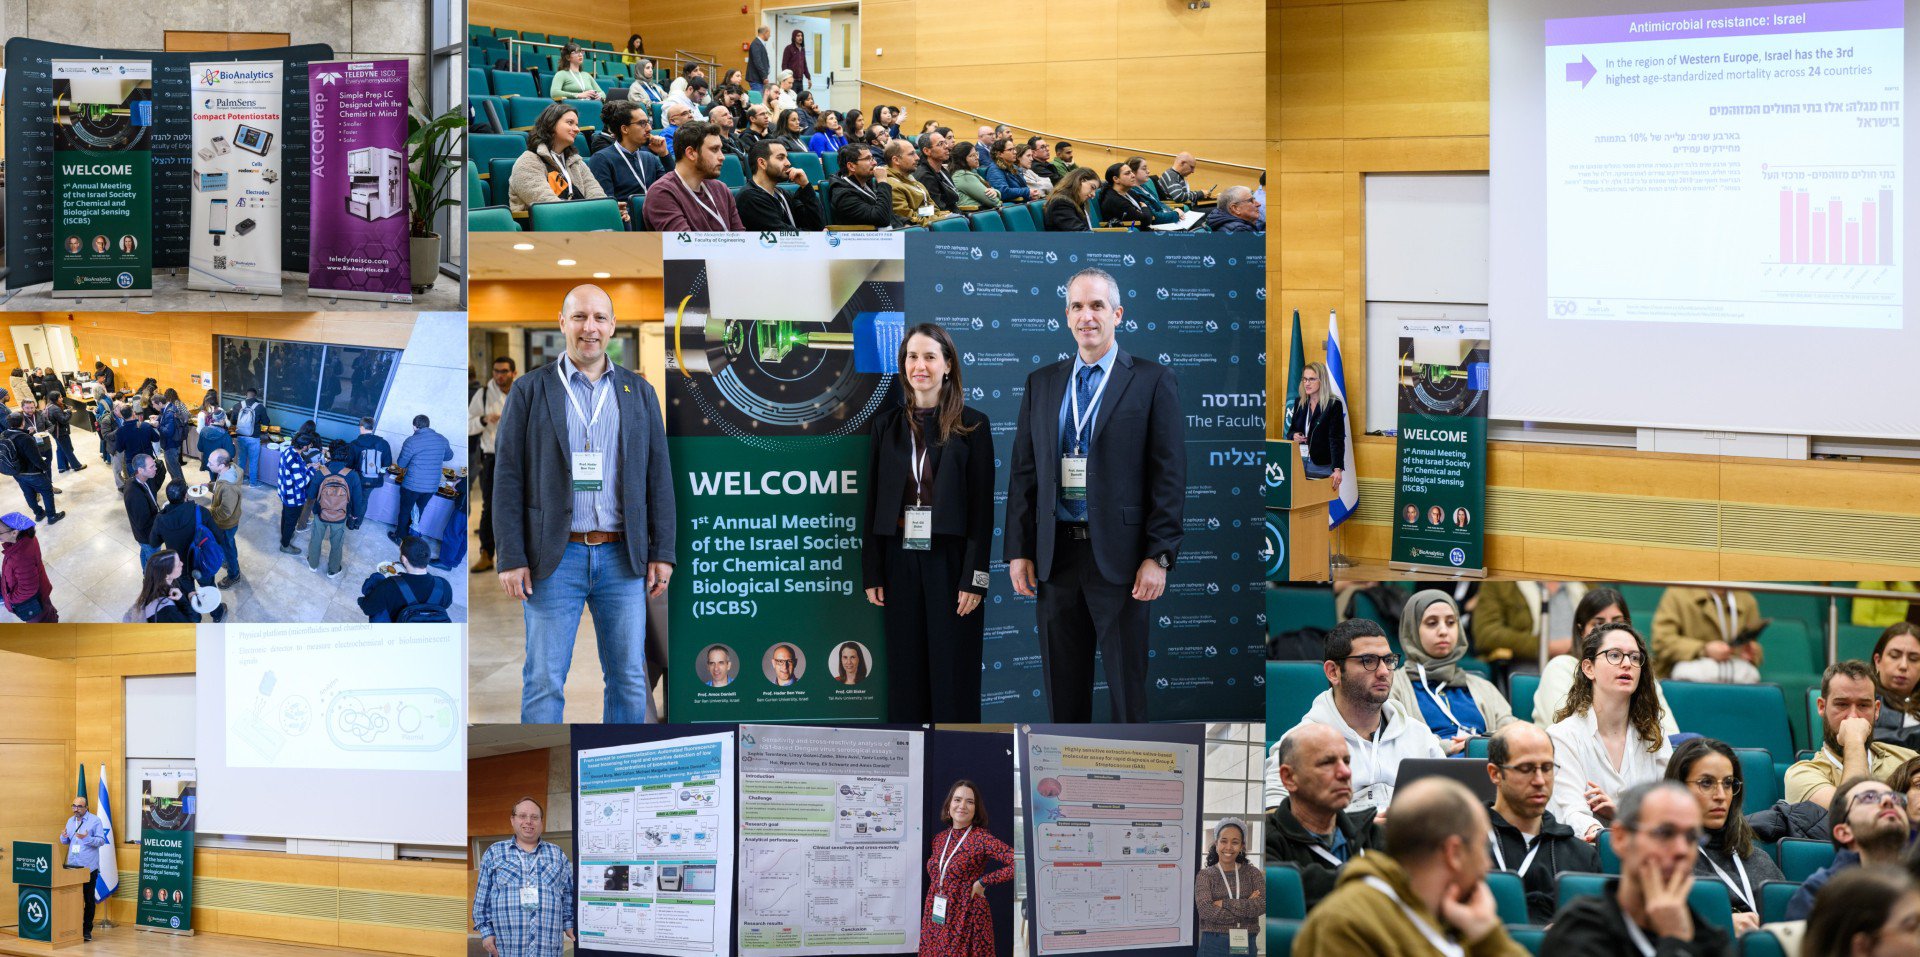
x=1094 y=505
x=583 y=513
x=627 y=165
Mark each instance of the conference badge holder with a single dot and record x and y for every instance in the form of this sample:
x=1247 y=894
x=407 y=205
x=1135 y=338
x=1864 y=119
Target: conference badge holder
x=587 y=471
x=939 y=909
x=919 y=534
x=1073 y=477
x=1238 y=941
x=530 y=896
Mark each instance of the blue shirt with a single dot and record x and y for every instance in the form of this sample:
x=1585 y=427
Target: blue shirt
x=293 y=478
x=599 y=510
x=1066 y=413
x=84 y=838
x=520 y=931
x=1458 y=699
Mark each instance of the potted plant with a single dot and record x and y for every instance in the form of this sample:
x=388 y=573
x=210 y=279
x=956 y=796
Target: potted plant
x=433 y=147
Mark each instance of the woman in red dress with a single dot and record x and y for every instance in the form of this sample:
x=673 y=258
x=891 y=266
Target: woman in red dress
x=954 y=919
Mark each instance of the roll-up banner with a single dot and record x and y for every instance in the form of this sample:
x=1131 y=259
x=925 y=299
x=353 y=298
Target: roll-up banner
x=1440 y=482
x=103 y=178
x=168 y=808
x=235 y=235
x=360 y=188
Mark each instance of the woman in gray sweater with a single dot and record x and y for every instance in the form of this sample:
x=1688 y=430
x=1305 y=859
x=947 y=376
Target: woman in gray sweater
x=551 y=169
x=1711 y=773
x=1230 y=895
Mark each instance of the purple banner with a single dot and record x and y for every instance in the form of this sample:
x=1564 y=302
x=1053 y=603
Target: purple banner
x=360 y=188
x=1730 y=22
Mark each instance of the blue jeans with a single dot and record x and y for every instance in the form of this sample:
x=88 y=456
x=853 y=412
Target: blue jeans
x=37 y=484
x=249 y=448
x=602 y=579
x=146 y=552
x=226 y=539
x=409 y=499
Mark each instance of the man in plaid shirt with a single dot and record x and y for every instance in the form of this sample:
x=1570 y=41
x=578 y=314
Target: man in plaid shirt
x=293 y=475
x=524 y=904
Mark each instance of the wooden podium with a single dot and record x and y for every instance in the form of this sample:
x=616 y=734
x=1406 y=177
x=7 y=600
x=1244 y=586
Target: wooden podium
x=1297 y=507
x=51 y=900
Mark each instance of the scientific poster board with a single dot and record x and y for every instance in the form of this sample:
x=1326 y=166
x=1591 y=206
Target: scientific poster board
x=237 y=138
x=1113 y=833
x=103 y=178
x=830 y=840
x=654 y=839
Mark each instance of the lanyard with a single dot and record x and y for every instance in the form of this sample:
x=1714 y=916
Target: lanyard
x=1639 y=937
x=574 y=400
x=1729 y=617
x=1746 y=885
x=952 y=849
x=1439 y=700
x=621 y=151
x=699 y=197
x=1080 y=422
x=1330 y=857
x=1233 y=891
x=785 y=210
x=1500 y=858
x=1128 y=196
x=561 y=162
x=917 y=456
x=1440 y=943
x=863 y=190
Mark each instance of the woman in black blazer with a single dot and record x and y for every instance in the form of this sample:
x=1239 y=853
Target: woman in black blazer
x=1117 y=208
x=930 y=534
x=1066 y=211
x=1319 y=425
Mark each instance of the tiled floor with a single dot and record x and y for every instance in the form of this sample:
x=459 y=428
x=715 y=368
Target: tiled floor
x=94 y=563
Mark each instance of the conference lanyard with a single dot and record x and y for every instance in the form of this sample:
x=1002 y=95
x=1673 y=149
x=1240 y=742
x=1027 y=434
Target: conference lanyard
x=863 y=190
x=1745 y=885
x=917 y=456
x=782 y=202
x=621 y=151
x=1434 y=937
x=1729 y=615
x=953 y=848
x=698 y=197
x=574 y=400
x=1233 y=891
x=1440 y=700
x=1080 y=422
x=1500 y=858
x=917 y=522
x=1330 y=857
x=1638 y=936
x=529 y=891
x=561 y=161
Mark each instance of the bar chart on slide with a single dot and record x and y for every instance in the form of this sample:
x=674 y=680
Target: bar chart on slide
x=1835 y=229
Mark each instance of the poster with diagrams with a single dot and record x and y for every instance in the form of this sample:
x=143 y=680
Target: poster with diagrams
x=830 y=840
x=654 y=829
x=1114 y=839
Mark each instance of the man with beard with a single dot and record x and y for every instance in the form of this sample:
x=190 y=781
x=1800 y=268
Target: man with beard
x=1869 y=823
x=1849 y=707
x=932 y=171
x=1525 y=838
x=688 y=198
x=1311 y=829
x=1656 y=833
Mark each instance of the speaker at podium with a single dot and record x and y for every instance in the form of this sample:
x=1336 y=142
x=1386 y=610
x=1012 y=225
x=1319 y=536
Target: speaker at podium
x=50 y=895
x=1298 y=540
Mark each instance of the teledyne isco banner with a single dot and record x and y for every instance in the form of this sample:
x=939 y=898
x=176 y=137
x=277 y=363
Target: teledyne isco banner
x=360 y=189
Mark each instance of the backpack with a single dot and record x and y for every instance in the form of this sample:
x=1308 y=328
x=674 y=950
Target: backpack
x=9 y=456
x=335 y=500
x=415 y=611
x=208 y=556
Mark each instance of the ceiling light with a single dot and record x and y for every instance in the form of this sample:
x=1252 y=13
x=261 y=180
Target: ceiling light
x=567 y=262
x=603 y=275
x=523 y=247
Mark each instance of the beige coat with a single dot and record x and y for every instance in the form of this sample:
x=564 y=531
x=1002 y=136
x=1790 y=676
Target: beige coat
x=528 y=184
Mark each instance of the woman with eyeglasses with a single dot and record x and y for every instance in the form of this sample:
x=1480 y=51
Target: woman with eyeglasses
x=1600 y=605
x=1711 y=773
x=1607 y=737
x=1872 y=911
x=1455 y=703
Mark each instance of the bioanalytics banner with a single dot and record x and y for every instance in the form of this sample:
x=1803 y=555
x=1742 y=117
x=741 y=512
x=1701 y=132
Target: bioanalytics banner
x=1440 y=483
x=103 y=178
x=168 y=809
x=235 y=234
x=780 y=350
x=359 y=175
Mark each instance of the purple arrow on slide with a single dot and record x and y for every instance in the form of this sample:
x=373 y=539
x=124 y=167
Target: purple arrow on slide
x=1582 y=71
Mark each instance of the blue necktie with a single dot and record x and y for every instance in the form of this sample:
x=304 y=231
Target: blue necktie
x=1083 y=391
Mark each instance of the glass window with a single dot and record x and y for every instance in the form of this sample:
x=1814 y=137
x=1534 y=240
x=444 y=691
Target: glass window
x=548 y=345
x=333 y=385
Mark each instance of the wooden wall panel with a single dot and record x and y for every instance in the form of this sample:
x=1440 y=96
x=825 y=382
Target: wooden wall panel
x=590 y=21
x=537 y=302
x=495 y=782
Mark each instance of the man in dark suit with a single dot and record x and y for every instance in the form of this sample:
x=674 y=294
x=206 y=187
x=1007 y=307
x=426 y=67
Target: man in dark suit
x=583 y=512
x=1094 y=505
x=759 y=58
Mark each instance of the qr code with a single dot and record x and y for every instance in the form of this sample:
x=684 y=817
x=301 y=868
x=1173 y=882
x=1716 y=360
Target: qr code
x=219 y=262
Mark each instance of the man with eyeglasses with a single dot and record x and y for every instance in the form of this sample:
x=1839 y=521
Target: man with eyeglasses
x=523 y=906
x=84 y=835
x=1236 y=212
x=786 y=663
x=1525 y=838
x=1656 y=832
x=1311 y=829
x=1359 y=667
x=1849 y=707
x=1870 y=827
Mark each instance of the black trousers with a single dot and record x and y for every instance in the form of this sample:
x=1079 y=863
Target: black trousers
x=86 y=916
x=289 y=523
x=486 y=503
x=1080 y=613
x=933 y=654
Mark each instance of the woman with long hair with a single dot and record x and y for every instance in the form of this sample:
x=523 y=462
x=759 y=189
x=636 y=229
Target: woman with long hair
x=826 y=136
x=174 y=420
x=573 y=80
x=1864 y=912
x=855 y=125
x=930 y=534
x=1005 y=176
x=1118 y=207
x=1896 y=673
x=1066 y=210
x=1607 y=737
x=1430 y=684
x=809 y=111
x=1601 y=605
x=1037 y=185
x=1710 y=771
x=161 y=598
x=790 y=131
x=552 y=170
x=853 y=664
x=636 y=48
x=1320 y=425
x=793 y=60
x=1230 y=894
x=963 y=164
x=963 y=858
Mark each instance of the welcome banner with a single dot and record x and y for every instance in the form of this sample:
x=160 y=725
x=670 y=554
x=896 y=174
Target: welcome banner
x=103 y=178
x=1440 y=483
x=360 y=189
x=235 y=235
x=167 y=812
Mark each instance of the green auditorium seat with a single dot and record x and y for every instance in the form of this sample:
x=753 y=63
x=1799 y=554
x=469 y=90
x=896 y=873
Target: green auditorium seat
x=1520 y=691
x=477 y=82
x=1761 y=943
x=500 y=178
x=491 y=219
x=951 y=224
x=1609 y=861
x=731 y=173
x=1642 y=601
x=589 y=111
x=579 y=216
x=476 y=187
x=1509 y=895
x=1760 y=786
x=1280 y=935
x=988 y=221
x=524 y=111
x=480 y=105
x=1286 y=897
x=810 y=164
x=532 y=37
x=1744 y=716
x=1017 y=219
x=1529 y=936
x=482 y=147
x=1800 y=858
x=1291 y=688
x=1037 y=208
x=512 y=83
x=830 y=163
x=1774 y=897
x=1857 y=641
x=1290 y=608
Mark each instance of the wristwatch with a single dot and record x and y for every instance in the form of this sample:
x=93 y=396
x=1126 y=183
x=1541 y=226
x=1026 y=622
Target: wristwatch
x=1164 y=560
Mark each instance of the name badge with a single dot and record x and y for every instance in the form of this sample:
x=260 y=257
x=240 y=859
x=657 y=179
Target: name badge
x=919 y=530
x=926 y=211
x=530 y=896
x=1073 y=477
x=587 y=471
x=1238 y=941
x=939 y=909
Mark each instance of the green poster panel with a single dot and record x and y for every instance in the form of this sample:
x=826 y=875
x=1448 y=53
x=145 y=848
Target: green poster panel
x=36 y=914
x=103 y=178
x=1440 y=478
x=32 y=862
x=169 y=806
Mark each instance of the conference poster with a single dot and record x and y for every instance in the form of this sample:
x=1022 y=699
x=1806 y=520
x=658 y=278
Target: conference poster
x=168 y=812
x=103 y=182
x=360 y=190
x=237 y=137
x=1440 y=480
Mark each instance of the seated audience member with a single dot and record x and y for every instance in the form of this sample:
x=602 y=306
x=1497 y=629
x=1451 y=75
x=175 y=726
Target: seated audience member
x=935 y=151
x=1118 y=206
x=1004 y=174
x=1043 y=162
x=625 y=167
x=790 y=132
x=1425 y=894
x=676 y=115
x=1173 y=182
x=1870 y=828
x=983 y=141
x=764 y=205
x=573 y=81
x=414 y=595
x=1455 y=703
x=688 y=73
x=1236 y=213
x=1656 y=835
x=1607 y=736
x=1066 y=210
x=877 y=140
x=964 y=165
x=1896 y=672
x=855 y=196
x=1359 y=667
x=1599 y=606
x=1525 y=837
x=1711 y=772
x=551 y=170
x=1038 y=186
x=912 y=204
x=692 y=95
x=759 y=126
x=1881 y=612
x=1063 y=159
x=645 y=88
x=781 y=96
x=1867 y=910
x=1515 y=617
x=690 y=198
x=1906 y=780
x=810 y=112
x=1707 y=634
x=1141 y=177
x=1260 y=196
x=721 y=119
x=826 y=136
x=854 y=124
x=1311 y=829
x=1847 y=750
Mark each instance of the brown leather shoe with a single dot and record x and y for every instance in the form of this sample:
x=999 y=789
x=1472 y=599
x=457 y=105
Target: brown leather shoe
x=484 y=564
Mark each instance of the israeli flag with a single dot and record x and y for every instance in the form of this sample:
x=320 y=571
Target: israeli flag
x=1349 y=498
x=109 y=879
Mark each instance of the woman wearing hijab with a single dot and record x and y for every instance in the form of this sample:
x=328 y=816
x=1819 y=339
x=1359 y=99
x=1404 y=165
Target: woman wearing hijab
x=1455 y=703
x=794 y=59
x=1228 y=893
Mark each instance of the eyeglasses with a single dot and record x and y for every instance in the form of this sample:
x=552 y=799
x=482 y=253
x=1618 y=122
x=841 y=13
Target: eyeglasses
x=1865 y=798
x=1667 y=832
x=1529 y=770
x=783 y=662
x=1373 y=662
x=1706 y=785
x=1615 y=657
x=79 y=807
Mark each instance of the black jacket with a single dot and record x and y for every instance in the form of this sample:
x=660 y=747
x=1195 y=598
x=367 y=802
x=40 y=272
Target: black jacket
x=382 y=600
x=1289 y=842
x=260 y=419
x=174 y=529
x=1065 y=216
x=759 y=61
x=761 y=211
x=860 y=205
x=1560 y=852
x=939 y=186
x=27 y=451
x=962 y=493
x=1117 y=210
x=1783 y=820
x=1326 y=433
x=142 y=507
x=59 y=420
x=1594 y=926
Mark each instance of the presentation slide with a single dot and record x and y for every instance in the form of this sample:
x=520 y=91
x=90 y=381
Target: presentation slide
x=1713 y=198
x=1113 y=842
x=294 y=721
x=830 y=839
x=654 y=829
